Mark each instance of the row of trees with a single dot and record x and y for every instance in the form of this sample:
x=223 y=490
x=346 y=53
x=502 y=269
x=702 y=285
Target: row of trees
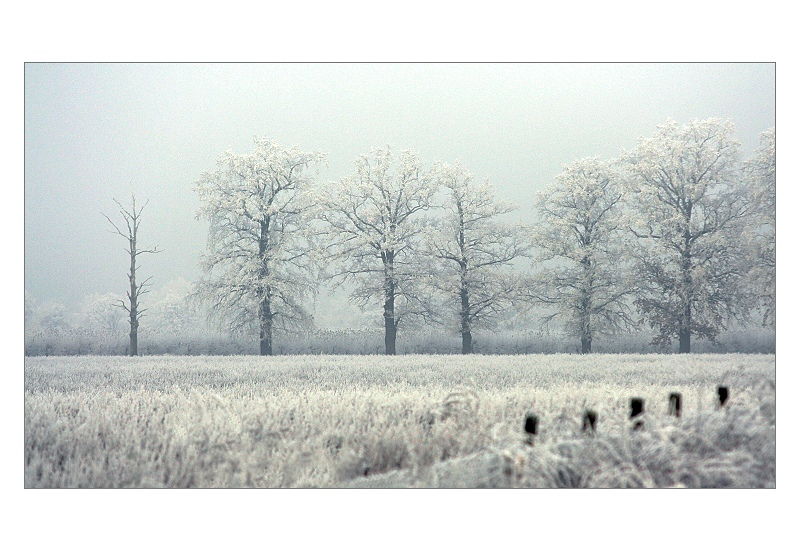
x=677 y=233
x=273 y=237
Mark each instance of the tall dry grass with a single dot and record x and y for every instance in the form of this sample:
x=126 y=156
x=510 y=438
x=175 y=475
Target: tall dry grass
x=412 y=421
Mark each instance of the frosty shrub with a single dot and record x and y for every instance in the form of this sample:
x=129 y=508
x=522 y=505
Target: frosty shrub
x=411 y=421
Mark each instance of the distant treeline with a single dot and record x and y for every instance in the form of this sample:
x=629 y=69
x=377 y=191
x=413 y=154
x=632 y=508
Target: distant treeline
x=365 y=342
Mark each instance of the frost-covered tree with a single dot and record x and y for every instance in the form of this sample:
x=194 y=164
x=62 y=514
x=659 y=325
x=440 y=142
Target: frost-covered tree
x=689 y=208
x=256 y=269
x=578 y=243
x=473 y=249
x=173 y=312
x=371 y=227
x=31 y=306
x=100 y=311
x=50 y=317
x=761 y=177
x=133 y=218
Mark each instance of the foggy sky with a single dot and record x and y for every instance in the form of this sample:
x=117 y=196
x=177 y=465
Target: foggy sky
x=94 y=132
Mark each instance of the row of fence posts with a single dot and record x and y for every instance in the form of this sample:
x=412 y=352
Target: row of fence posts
x=637 y=410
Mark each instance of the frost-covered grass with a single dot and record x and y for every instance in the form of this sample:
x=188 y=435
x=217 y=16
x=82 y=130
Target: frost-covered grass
x=408 y=421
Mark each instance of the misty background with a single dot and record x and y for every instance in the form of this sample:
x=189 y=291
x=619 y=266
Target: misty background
x=94 y=132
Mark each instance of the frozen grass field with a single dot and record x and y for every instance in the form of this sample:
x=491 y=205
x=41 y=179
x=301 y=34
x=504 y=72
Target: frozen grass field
x=406 y=421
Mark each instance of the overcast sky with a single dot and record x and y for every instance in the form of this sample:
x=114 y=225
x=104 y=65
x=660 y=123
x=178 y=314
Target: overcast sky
x=94 y=132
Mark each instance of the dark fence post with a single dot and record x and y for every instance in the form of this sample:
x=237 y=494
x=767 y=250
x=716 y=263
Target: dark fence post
x=637 y=409
x=531 y=421
x=675 y=404
x=723 y=395
x=589 y=421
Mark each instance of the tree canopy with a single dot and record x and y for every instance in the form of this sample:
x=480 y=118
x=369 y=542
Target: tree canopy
x=256 y=269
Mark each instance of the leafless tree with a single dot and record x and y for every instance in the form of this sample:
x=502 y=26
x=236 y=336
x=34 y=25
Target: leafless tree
x=689 y=213
x=256 y=268
x=760 y=171
x=130 y=232
x=582 y=279
x=372 y=230
x=473 y=249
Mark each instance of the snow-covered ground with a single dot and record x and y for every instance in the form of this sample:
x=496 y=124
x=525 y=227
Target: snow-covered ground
x=407 y=421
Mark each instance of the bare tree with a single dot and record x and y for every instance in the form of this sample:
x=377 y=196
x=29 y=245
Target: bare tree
x=372 y=229
x=133 y=218
x=578 y=242
x=474 y=249
x=256 y=270
x=689 y=210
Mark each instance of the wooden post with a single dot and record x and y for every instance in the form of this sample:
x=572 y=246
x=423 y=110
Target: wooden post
x=589 y=421
x=675 y=404
x=637 y=409
x=723 y=395
x=531 y=421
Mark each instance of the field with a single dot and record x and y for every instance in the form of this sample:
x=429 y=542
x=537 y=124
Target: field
x=407 y=421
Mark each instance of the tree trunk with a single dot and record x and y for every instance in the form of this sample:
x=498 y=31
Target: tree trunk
x=390 y=326
x=684 y=341
x=265 y=313
x=389 y=322
x=466 y=342
x=134 y=298
x=684 y=331
x=466 y=330
x=685 y=323
x=390 y=335
x=134 y=348
x=466 y=310
x=586 y=304
x=265 y=328
x=586 y=330
x=134 y=335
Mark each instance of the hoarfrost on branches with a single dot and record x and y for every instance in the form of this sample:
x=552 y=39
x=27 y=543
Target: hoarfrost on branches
x=100 y=311
x=760 y=172
x=473 y=249
x=372 y=227
x=580 y=250
x=685 y=182
x=257 y=271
